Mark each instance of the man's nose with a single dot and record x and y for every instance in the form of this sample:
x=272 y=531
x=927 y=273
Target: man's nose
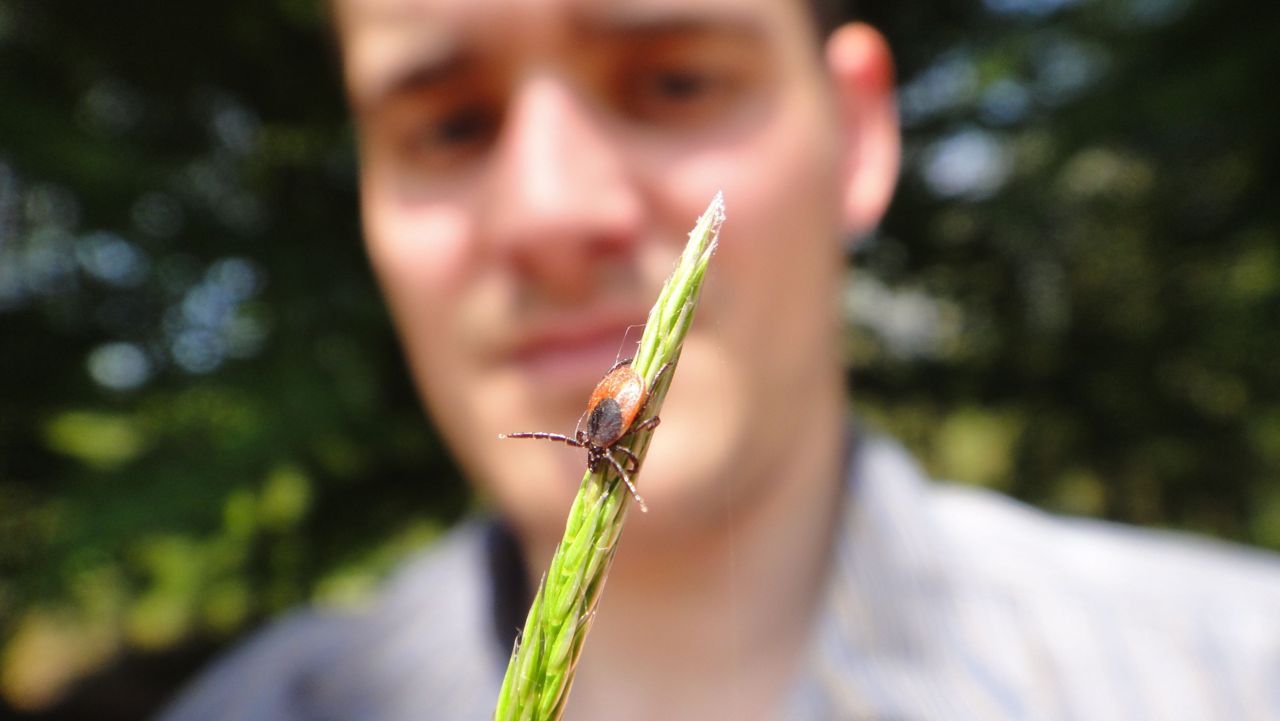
x=561 y=202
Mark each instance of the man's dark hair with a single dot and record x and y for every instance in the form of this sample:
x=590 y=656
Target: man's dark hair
x=829 y=14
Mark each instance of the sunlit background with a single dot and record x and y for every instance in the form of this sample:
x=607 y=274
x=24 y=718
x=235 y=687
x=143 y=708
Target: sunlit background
x=204 y=419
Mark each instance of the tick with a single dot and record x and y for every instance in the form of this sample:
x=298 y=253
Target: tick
x=612 y=411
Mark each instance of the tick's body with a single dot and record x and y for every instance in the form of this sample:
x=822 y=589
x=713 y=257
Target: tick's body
x=614 y=405
x=611 y=416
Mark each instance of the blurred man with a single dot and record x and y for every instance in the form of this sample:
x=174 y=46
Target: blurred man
x=529 y=171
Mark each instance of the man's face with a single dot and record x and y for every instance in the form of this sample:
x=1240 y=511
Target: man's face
x=529 y=172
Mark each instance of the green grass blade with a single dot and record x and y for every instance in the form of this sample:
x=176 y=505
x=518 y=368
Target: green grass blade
x=540 y=672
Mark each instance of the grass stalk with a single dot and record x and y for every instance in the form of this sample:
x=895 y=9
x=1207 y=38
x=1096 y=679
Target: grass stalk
x=540 y=673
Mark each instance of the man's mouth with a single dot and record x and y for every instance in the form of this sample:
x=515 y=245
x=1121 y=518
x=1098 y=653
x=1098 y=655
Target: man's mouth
x=578 y=352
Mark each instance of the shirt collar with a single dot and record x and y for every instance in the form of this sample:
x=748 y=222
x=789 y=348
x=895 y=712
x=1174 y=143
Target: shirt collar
x=887 y=600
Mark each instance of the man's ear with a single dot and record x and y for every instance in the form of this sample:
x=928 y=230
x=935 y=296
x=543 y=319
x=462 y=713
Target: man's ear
x=861 y=67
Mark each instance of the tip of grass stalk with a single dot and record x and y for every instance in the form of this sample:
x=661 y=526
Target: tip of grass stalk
x=712 y=218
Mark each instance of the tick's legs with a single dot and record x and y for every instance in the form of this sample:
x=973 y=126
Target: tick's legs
x=646 y=425
x=631 y=457
x=626 y=478
x=619 y=364
x=577 y=443
x=642 y=426
x=580 y=442
x=666 y=368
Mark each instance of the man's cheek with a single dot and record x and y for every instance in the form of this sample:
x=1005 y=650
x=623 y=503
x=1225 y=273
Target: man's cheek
x=426 y=251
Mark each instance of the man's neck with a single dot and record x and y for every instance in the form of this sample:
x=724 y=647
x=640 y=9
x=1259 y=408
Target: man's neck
x=715 y=627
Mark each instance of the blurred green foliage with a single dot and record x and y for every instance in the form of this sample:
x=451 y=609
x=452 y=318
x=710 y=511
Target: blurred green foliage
x=1088 y=231
x=204 y=419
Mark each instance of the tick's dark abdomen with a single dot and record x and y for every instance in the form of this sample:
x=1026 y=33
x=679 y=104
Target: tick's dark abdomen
x=604 y=426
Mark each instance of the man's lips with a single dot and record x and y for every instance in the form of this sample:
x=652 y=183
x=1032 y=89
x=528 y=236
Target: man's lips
x=568 y=352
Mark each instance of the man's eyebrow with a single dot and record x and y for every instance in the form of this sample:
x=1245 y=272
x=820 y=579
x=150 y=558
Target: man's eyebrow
x=447 y=62
x=419 y=73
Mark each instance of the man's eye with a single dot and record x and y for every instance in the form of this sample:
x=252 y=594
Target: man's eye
x=680 y=85
x=464 y=126
x=679 y=96
x=453 y=136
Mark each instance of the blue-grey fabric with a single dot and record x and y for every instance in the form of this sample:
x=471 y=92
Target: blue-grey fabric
x=942 y=603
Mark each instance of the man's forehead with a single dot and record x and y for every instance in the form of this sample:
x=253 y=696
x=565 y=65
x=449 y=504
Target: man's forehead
x=422 y=23
x=381 y=38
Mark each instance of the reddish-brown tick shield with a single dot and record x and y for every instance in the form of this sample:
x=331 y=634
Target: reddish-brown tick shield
x=614 y=405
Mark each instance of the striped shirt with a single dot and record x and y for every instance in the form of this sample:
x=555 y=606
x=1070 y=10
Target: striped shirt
x=945 y=603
